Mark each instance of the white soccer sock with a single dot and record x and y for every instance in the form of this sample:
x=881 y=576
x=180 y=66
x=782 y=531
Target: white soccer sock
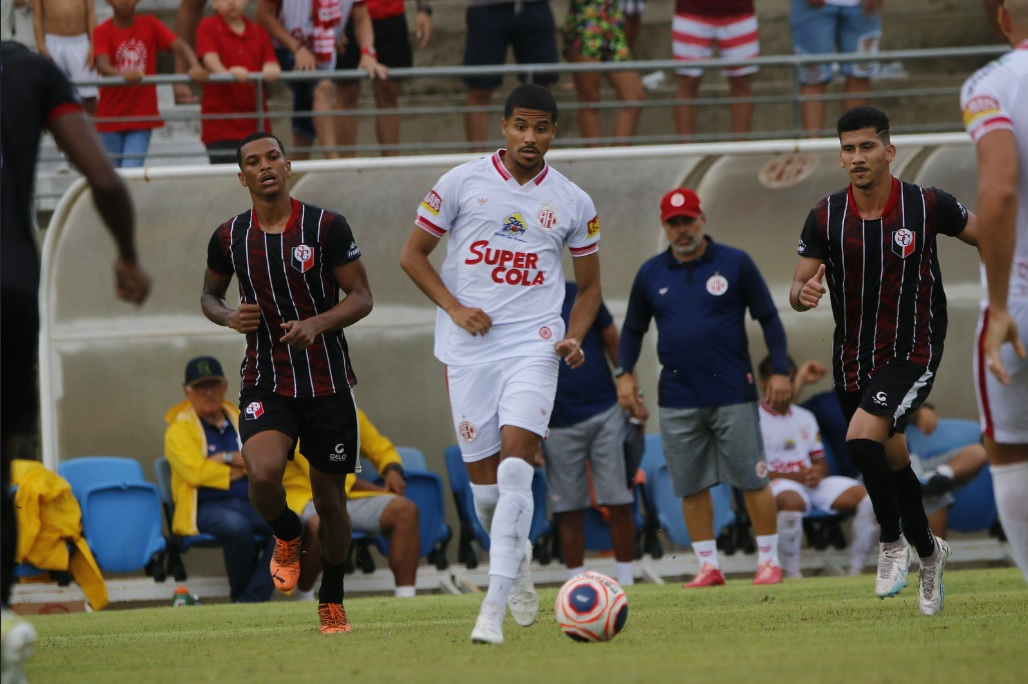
x=575 y=572
x=485 y=498
x=706 y=553
x=1010 y=482
x=790 y=538
x=865 y=534
x=405 y=592
x=625 y=573
x=512 y=519
x=767 y=549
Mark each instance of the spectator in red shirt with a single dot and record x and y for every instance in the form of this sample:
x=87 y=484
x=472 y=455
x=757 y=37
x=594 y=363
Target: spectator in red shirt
x=229 y=43
x=126 y=45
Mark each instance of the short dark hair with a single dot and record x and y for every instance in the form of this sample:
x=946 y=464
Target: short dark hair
x=861 y=117
x=531 y=96
x=766 y=369
x=256 y=136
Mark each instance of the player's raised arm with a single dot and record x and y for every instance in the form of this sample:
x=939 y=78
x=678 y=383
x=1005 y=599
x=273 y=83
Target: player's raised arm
x=807 y=284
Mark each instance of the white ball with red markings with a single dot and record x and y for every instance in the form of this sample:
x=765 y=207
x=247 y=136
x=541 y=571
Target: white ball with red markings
x=591 y=607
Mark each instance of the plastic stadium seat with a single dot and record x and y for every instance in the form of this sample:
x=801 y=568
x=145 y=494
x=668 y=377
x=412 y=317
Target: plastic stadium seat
x=471 y=529
x=179 y=544
x=974 y=507
x=121 y=513
x=425 y=489
x=669 y=507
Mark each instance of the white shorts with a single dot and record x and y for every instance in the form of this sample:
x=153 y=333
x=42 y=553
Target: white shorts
x=69 y=54
x=820 y=497
x=487 y=396
x=1002 y=408
x=693 y=38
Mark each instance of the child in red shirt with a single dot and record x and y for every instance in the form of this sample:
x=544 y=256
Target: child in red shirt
x=230 y=43
x=126 y=45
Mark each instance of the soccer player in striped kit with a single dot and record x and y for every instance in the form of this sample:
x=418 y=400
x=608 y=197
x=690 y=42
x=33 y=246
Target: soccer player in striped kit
x=875 y=241
x=292 y=259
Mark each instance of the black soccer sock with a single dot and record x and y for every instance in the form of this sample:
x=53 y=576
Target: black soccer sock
x=880 y=481
x=915 y=522
x=287 y=526
x=331 y=590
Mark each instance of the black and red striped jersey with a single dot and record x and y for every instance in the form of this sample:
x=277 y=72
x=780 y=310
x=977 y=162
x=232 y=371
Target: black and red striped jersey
x=883 y=277
x=290 y=275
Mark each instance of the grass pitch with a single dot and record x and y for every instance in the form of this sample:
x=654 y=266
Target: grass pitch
x=821 y=630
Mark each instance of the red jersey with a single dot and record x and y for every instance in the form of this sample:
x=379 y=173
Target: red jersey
x=291 y=277
x=131 y=49
x=884 y=278
x=250 y=49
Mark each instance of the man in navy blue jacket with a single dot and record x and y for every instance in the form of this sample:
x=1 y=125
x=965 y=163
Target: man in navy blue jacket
x=698 y=292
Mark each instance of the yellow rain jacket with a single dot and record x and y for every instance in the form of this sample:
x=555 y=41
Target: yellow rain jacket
x=48 y=518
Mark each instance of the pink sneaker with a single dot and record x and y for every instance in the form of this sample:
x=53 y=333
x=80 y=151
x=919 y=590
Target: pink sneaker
x=708 y=576
x=768 y=573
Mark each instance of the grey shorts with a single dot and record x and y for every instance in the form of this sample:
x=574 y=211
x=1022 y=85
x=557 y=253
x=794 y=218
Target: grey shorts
x=706 y=446
x=597 y=440
x=920 y=466
x=365 y=512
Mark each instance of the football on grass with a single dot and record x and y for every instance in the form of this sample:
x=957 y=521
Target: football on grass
x=591 y=607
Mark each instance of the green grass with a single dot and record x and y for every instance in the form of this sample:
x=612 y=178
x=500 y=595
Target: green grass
x=821 y=630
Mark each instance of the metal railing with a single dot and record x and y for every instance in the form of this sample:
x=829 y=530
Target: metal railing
x=778 y=82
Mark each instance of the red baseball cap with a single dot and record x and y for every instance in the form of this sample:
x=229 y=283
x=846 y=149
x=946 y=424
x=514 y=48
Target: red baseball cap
x=680 y=202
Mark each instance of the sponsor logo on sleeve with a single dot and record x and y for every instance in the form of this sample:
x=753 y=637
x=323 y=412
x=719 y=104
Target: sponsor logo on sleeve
x=432 y=202
x=593 y=227
x=981 y=108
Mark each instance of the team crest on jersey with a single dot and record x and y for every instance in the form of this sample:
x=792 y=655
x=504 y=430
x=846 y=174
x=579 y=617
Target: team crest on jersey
x=432 y=202
x=547 y=217
x=466 y=431
x=593 y=227
x=254 y=410
x=717 y=285
x=514 y=226
x=903 y=242
x=761 y=468
x=303 y=258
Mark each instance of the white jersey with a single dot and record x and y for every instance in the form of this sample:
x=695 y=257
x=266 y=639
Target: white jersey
x=996 y=98
x=792 y=441
x=503 y=256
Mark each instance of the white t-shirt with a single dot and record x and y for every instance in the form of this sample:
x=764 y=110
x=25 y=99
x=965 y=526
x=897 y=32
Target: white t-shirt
x=504 y=254
x=791 y=441
x=996 y=98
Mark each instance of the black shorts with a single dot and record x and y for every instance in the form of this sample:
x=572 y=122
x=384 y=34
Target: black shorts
x=325 y=426
x=392 y=42
x=897 y=390
x=492 y=28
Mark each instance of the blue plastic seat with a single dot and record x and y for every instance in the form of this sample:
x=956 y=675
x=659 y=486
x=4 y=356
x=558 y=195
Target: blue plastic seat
x=425 y=489
x=974 y=506
x=121 y=513
x=669 y=507
x=179 y=544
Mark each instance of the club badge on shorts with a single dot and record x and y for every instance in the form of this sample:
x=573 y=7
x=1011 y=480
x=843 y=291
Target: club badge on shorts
x=466 y=431
x=254 y=410
x=903 y=242
x=303 y=258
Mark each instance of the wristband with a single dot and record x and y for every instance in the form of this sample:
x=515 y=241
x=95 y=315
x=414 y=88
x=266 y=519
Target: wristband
x=370 y=51
x=426 y=9
x=618 y=372
x=393 y=466
x=228 y=457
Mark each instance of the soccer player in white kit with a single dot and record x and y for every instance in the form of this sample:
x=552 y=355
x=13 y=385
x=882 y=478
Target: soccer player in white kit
x=498 y=326
x=994 y=101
